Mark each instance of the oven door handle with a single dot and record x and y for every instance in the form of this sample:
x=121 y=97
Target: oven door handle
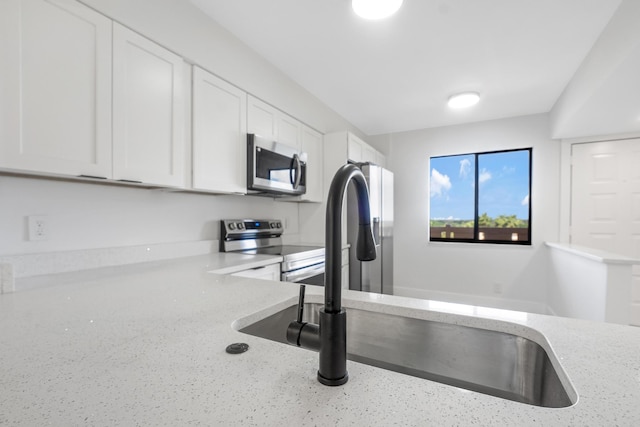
x=295 y=163
x=303 y=273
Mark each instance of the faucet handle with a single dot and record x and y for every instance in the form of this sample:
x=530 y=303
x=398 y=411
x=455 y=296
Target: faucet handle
x=301 y=303
x=303 y=334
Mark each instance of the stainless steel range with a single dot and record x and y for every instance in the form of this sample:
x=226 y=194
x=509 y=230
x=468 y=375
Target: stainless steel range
x=301 y=264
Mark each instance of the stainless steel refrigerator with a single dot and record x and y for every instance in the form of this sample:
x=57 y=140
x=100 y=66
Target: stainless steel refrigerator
x=373 y=276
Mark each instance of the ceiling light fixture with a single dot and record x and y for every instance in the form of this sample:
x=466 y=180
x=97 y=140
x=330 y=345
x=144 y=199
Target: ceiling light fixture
x=375 y=9
x=463 y=100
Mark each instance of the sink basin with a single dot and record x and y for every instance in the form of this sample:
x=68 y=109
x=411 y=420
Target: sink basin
x=491 y=362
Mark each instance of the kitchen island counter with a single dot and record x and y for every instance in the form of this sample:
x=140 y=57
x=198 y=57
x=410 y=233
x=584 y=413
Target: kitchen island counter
x=145 y=345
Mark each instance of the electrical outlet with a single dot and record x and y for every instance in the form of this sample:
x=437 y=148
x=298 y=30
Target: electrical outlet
x=38 y=227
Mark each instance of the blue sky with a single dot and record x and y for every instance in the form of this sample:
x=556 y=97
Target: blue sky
x=504 y=185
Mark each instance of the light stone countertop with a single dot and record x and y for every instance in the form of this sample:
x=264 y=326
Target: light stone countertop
x=145 y=345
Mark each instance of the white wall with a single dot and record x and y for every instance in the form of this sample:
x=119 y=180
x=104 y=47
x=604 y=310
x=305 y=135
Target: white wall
x=601 y=98
x=590 y=287
x=429 y=270
x=84 y=216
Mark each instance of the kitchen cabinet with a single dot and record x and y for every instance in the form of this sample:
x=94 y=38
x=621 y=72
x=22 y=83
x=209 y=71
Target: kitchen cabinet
x=262 y=118
x=359 y=151
x=289 y=131
x=266 y=120
x=148 y=111
x=269 y=122
x=312 y=146
x=267 y=272
x=219 y=148
x=354 y=148
x=55 y=88
x=82 y=95
x=343 y=147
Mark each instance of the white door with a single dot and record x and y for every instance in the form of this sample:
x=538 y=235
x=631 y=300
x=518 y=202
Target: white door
x=605 y=202
x=148 y=105
x=219 y=135
x=55 y=88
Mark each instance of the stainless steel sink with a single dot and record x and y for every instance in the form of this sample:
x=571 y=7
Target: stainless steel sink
x=491 y=362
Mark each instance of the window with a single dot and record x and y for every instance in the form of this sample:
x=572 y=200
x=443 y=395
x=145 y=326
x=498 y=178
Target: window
x=481 y=197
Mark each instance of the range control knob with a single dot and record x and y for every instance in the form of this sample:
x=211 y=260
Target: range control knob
x=273 y=225
x=241 y=226
x=231 y=225
x=279 y=225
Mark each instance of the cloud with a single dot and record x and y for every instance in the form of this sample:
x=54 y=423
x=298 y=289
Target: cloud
x=465 y=168
x=484 y=176
x=439 y=183
x=525 y=201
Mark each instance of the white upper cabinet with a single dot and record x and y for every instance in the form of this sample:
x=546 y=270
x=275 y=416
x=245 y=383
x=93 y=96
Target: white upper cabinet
x=262 y=118
x=267 y=121
x=359 y=151
x=55 y=88
x=219 y=135
x=289 y=131
x=354 y=148
x=148 y=106
x=312 y=145
x=271 y=123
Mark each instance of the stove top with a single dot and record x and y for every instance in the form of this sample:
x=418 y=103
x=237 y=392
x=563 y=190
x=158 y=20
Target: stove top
x=264 y=237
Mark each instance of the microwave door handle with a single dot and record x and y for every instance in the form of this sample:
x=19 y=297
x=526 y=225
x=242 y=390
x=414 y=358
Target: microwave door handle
x=295 y=162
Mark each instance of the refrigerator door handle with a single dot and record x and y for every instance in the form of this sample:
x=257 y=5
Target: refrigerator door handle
x=376 y=230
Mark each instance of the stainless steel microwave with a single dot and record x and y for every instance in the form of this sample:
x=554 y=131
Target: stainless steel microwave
x=275 y=168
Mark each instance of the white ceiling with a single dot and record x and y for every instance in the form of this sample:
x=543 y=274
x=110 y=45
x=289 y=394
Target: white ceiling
x=396 y=75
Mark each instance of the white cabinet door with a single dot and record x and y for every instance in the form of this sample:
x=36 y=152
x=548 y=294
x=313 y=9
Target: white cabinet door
x=219 y=135
x=312 y=146
x=55 y=88
x=289 y=131
x=368 y=154
x=267 y=121
x=354 y=149
x=262 y=118
x=148 y=120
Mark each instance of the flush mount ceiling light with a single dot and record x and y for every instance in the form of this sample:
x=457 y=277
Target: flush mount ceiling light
x=375 y=9
x=463 y=100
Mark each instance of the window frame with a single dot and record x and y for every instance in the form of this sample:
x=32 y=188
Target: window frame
x=476 y=225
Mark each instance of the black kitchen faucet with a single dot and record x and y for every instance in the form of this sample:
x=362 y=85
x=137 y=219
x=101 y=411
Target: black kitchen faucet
x=329 y=337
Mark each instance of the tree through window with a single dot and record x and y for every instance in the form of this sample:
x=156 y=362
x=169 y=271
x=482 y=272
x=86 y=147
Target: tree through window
x=481 y=197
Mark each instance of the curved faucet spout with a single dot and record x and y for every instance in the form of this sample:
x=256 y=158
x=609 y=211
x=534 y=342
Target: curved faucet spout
x=329 y=337
x=365 y=250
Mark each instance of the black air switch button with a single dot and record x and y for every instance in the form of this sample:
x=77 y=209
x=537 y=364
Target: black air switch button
x=237 y=348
